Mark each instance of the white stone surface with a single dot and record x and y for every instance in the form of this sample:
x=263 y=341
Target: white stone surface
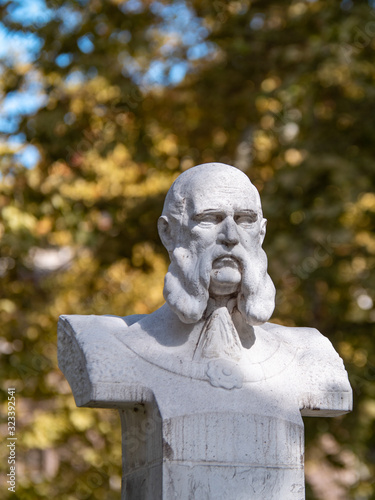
x=210 y=394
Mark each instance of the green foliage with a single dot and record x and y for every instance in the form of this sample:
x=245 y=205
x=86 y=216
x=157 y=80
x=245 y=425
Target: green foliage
x=285 y=93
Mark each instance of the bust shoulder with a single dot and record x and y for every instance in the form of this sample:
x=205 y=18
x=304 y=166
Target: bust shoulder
x=308 y=340
x=324 y=385
x=97 y=365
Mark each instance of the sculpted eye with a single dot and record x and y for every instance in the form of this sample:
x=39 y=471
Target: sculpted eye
x=208 y=219
x=246 y=219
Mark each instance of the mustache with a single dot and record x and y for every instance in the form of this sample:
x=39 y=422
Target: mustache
x=226 y=260
x=215 y=255
x=238 y=254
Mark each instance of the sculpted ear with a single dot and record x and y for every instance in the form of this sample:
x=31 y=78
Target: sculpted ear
x=262 y=232
x=164 y=229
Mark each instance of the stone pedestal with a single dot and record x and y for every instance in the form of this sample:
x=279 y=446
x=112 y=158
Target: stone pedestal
x=185 y=437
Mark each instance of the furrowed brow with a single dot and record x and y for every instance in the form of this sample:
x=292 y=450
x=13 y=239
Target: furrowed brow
x=251 y=214
x=246 y=212
x=213 y=211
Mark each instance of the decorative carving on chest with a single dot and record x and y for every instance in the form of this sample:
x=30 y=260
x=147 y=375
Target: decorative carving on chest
x=219 y=337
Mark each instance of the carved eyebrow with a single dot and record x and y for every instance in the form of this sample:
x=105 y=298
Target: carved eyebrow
x=252 y=214
x=249 y=213
x=209 y=211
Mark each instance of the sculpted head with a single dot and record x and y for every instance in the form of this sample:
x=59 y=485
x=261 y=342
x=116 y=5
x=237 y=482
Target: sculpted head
x=213 y=228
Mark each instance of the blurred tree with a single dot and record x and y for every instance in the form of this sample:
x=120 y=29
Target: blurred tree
x=128 y=94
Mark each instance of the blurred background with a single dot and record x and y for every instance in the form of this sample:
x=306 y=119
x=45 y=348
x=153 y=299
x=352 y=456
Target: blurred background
x=103 y=104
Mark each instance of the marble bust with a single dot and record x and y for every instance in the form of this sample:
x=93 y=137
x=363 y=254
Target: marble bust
x=210 y=393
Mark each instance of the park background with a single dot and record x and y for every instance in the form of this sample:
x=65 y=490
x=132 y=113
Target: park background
x=103 y=104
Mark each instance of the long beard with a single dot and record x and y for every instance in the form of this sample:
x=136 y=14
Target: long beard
x=186 y=284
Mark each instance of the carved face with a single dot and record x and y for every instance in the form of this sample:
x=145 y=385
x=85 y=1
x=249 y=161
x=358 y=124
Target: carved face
x=213 y=228
x=225 y=222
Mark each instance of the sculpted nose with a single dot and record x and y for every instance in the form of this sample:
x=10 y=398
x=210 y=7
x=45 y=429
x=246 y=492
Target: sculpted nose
x=229 y=234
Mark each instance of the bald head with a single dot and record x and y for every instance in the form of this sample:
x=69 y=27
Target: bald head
x=208 y=178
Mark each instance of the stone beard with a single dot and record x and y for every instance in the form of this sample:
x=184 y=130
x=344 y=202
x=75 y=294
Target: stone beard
x=186 y=287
